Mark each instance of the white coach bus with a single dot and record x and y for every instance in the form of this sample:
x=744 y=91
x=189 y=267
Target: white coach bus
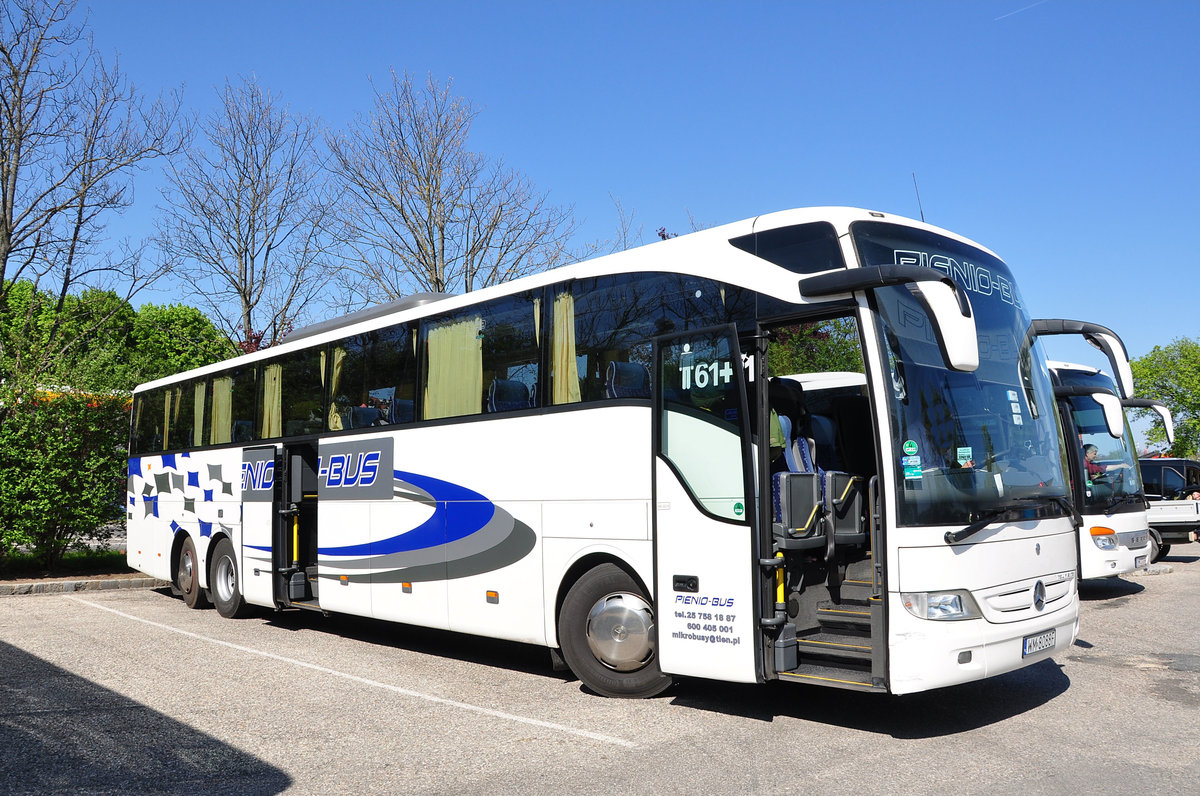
x=1114 y=532
x=600 y=459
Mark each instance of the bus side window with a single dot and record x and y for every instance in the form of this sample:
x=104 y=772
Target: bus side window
x=149 y=412
x=183 y=417
x=232 y=402
x=467 y=351
x=372 y=378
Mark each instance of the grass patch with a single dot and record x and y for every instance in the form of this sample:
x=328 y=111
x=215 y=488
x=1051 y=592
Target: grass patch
x=75 y=562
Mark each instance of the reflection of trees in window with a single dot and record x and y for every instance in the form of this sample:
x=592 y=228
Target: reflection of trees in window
x=510 y=340
x=816 y=347
x=615 y=318
x=292 y=395
x=373 y=378
x=148 y=418
x=184 y=415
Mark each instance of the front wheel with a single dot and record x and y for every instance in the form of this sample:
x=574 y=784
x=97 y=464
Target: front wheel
x=1157 y=548
x=606 y=630
x=226 y=589
x=187 y=575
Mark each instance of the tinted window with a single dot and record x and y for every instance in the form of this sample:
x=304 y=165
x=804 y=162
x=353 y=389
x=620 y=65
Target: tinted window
x=602 y=328
x=801 y=249
x=184 y=411
x=1152 y=478
x=233 y=399
x=483 y=359
x=292 y=392
x=148 y=428
x=372 y=379
x=1172 y=482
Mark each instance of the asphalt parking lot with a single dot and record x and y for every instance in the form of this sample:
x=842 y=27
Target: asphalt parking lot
x=129 y=692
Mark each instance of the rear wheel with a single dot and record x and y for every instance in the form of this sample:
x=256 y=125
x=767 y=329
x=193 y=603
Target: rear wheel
x=606 y=629
x=226 y=588
x=187 y=575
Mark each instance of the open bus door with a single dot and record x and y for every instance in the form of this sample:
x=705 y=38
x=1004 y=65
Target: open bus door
x=261 y=467
x=704 y=509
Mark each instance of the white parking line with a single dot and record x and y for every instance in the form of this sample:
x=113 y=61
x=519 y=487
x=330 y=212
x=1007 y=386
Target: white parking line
x=595 y=736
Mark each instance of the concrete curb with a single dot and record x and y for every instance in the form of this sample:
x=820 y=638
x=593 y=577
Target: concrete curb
x=69 y=586
x=1152 y=569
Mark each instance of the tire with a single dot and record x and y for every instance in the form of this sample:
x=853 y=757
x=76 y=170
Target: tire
x=187 y=575
x=607 y=634
x=224 y=584
x=1158 y=550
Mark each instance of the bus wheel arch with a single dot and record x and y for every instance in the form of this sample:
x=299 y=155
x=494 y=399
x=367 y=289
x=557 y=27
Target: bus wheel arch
x=606 y=630
x=185 y=568
x=224 y=579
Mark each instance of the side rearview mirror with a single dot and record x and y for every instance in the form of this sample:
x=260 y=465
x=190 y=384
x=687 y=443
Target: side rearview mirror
x=947 y=307
x=1158 y=406
x=1114 y=416
x=1098 y=336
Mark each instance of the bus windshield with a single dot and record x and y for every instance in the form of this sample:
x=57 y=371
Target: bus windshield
x=963 y=444
x=1110 y=470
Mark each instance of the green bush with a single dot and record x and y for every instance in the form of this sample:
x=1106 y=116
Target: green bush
x=62 y=470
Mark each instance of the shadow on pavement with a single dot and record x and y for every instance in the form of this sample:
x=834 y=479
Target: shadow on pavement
x=63 y=734
x=946 y=711
x=511 y=655
x=931 y=714
x=1108 y=589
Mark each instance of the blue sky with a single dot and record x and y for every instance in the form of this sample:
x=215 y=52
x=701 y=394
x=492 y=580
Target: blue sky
x=1061 y=134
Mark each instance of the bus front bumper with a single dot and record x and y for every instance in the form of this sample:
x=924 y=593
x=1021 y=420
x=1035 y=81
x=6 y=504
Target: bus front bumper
x=926 y=654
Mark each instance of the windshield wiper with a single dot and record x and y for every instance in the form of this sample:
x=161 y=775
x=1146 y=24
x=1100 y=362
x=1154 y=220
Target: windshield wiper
x=1112 y=507
x=1019 y=504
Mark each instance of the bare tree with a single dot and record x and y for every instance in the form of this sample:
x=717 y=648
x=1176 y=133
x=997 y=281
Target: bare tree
x=73 y=133
x=247 y=215
x=427 y=214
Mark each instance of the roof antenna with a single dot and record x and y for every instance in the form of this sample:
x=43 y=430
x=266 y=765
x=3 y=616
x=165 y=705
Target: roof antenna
x=918 y=190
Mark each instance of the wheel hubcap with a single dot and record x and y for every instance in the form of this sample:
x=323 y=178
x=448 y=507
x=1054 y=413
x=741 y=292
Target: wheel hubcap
x=226 y=579
x=620 y=631
x=186 y=567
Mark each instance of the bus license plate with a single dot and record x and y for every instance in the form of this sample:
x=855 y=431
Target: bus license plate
x=1140 y=562
x=1034 y=644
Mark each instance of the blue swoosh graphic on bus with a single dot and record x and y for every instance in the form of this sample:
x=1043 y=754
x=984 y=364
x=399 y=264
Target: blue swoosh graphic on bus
x=458 y=513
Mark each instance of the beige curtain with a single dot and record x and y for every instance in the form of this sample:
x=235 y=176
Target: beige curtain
x=272 y=405
x=454 y=385
x=221 y=423
x=198 y=414
x=335 y=386
x=564 y=367
x=168 y=425
x=537 y=320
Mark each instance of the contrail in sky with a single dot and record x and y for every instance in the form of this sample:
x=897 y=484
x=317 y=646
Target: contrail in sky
x=1019 y=10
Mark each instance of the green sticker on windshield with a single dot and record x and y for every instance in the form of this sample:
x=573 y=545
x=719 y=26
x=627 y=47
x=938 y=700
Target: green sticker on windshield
x=910 y=446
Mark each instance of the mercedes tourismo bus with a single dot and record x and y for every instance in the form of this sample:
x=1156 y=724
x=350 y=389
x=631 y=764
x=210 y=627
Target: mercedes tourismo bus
x=601 y=459
x=1114 y=534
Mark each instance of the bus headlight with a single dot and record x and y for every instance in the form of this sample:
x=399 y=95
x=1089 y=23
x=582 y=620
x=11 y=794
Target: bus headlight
x=943 y=605
x=1104 y=538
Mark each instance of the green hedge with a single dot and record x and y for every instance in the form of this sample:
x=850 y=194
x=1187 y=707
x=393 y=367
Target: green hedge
x=62 y=470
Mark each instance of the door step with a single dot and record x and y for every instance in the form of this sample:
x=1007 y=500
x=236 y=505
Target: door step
x=835 y=645
x=847 y=613
x=850 y=679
